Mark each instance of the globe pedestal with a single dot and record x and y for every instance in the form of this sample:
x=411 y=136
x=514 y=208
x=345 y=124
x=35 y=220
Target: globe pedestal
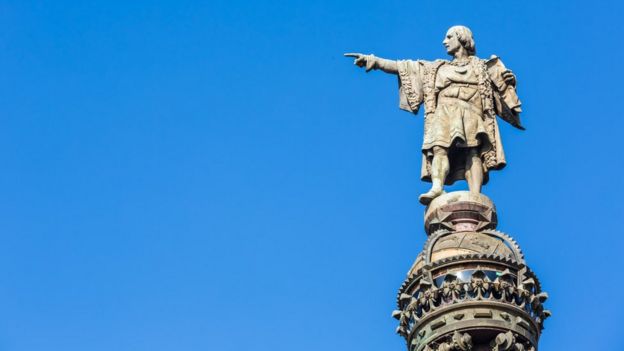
x=470 y=287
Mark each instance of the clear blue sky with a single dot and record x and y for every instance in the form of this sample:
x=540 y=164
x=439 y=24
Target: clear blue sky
x=187 y=175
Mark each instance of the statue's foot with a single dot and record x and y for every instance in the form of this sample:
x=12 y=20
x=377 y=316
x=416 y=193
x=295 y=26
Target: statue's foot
x=427 y=197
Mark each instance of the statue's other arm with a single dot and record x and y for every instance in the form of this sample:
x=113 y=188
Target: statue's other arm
x=373 y=62
x=506 y=102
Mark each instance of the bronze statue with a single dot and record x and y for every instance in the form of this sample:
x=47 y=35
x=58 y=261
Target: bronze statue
x=462 y=98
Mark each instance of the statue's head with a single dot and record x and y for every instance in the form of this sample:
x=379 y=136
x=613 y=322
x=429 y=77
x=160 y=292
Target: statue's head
x=458 y=37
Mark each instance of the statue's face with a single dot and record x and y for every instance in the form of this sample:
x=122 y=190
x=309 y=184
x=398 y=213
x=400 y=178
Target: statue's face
x=451 y=42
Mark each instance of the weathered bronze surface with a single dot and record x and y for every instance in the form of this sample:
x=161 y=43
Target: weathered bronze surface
x=462 y=98
x=470 y=287
x=460 y=210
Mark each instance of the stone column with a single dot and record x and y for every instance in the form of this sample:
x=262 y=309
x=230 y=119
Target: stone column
x=470 y=287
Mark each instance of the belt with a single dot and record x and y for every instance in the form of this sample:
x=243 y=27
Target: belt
x=466 y=85
x=460 y=102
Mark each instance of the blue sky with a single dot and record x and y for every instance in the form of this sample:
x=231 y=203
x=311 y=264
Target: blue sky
x=215 y=175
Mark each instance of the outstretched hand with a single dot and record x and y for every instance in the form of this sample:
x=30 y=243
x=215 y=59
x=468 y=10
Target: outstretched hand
x=362 y=60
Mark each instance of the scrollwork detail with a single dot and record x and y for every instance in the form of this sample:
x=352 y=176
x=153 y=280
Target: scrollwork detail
x=459 y=341
x=427 y=297
x=509 y=342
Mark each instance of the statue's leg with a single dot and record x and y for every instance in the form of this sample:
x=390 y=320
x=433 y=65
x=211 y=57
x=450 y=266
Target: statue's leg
x=474 y=170
x=439 y=170
x=439 y=167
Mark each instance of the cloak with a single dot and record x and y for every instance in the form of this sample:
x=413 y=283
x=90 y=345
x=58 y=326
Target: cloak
x=417 y=87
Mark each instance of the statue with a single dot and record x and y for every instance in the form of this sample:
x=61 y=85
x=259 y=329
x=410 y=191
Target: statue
x=462 y=98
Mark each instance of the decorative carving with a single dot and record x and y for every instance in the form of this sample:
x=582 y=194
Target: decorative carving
x=452 y=289
x=459 y=341
x=508 y=342
x=460 y=211
x=503 y=342
x=479 y=285
x=504 y=288
x=480 y=243
x=506 y=246
x=428 y=297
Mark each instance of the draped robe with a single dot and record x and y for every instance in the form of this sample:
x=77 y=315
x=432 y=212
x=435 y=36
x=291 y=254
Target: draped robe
x=457 y=124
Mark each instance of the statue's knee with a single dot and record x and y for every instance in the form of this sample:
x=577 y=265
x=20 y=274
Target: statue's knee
x=439 y=151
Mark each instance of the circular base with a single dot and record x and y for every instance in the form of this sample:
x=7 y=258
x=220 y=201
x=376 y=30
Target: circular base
x=460 y=211
x=482 y=320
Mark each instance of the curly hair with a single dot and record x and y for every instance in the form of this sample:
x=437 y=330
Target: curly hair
x=464 y=35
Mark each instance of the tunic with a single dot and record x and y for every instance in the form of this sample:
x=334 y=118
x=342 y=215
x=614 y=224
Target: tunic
x=458 y=119
x=460 y=103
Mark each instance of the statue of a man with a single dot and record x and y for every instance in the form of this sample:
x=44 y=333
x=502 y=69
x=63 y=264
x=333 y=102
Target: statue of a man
x=462 y=98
